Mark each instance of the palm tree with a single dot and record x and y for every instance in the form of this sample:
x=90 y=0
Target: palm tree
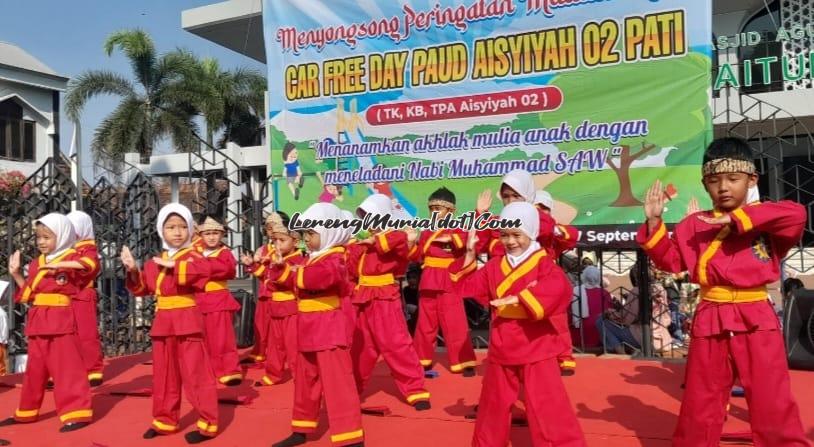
x=150 y=107
x=231 y=101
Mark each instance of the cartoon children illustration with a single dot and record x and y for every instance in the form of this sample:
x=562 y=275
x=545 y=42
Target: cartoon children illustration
x=293 y=172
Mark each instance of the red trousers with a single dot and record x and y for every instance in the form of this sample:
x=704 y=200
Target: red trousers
x=758 y=359
x=446 y=309
x=281 y=348
x=566 y=358
x=382 y=329
x=261 y=330
x=88 y=331
x=182 y=360
x=327 y=373
x=221 y=345
x=551 y=417
x=60 y=356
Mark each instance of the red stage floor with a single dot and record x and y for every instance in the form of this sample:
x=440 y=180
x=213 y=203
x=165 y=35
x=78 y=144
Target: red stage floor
x=618 y=402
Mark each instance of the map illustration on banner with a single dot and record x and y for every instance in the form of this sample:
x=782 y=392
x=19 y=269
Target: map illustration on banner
x=596 y=98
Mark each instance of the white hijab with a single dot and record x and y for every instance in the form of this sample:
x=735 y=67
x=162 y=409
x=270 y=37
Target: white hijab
x=62 y=228
x=328 y=237
x=529 y=224
x=376 y=204
x=347 y=215
x=753 y=195
x=82 y=224
x=522 y=183
x=591 y=278
x=542 y=197
x=164 y=214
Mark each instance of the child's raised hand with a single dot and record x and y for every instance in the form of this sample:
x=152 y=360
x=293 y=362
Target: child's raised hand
x=511 y=299
x=246 y=259
x=412 y=234
x=693 y=207
x=14 y=262
x=484 y=201
x=366 y=241
x=166 y=263
x=276 y=258
x=128 y=260
x=472 y=240
x=654 y=203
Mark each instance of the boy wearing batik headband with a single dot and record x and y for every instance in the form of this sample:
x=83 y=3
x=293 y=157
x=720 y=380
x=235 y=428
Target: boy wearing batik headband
x=733 y=251
x=217 y=304
x=281 y=347
x=257 y=266
x=438 y=303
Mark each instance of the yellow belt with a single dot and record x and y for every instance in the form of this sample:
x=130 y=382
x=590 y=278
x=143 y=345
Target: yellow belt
x=52 y=300
x=323 y=304
x=512 y=312
x=724 y=294
x=214 y=286
x=442 y=263
x=174 y=302
x=377 y=280
x=282 y=296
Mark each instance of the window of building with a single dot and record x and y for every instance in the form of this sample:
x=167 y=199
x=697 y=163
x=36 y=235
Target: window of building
x=17 y=136
x=765 y=21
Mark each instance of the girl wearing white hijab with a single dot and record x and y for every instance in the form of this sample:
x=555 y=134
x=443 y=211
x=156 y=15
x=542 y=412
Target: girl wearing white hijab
x=179 y=353
x=525 y=288
x=380 y=325
x=84 y=306
x=53 y=345
x=323 y=332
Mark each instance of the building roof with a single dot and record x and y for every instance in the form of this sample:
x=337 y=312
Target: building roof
x=234 y=24
x=15 y=57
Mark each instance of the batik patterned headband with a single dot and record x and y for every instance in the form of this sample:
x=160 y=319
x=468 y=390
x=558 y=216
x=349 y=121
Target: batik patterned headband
x=727 y=165
x=443 y=203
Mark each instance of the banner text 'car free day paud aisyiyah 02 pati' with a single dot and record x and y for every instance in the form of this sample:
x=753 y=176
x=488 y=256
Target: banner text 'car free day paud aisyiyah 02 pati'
x=596 y=98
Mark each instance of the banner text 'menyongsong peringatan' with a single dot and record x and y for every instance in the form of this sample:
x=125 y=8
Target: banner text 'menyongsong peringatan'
x=596 y=98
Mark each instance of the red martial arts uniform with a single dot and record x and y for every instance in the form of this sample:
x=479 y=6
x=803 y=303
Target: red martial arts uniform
x=218 y=307
x=53 y=344
x=380 y=324
x=179 y=351
x=281 y=348
x=84 y=308
x=262 y=314
x=735 y=330
x=523 y=347
x=556 y=239
x=438 y=303
x=323 y=365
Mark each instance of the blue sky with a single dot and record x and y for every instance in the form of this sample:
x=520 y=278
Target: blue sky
x=68 y=36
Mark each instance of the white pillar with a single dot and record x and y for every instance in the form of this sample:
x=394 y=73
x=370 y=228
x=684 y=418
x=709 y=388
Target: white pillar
x=175 y=192
x=233 y=214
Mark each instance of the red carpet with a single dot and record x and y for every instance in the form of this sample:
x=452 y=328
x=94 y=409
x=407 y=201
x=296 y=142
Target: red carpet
x=618 y=402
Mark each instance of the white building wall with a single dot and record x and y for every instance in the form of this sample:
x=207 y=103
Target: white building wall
x=37 y=106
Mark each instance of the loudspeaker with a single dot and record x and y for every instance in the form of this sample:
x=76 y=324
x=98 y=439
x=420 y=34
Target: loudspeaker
x=798 y=329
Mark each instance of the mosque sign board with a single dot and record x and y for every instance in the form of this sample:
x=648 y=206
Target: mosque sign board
x=596 y=98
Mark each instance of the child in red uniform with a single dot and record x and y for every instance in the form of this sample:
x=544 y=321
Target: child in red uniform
x=524 y=286
x=217 y=304
x=323 y=365
x=84 y=305
x=438 y=303
x=257 y=265
x=380 y=324
x=179 y=351
x=733 y=252
x=281 y=348
x=518 y=186
x=53 y=344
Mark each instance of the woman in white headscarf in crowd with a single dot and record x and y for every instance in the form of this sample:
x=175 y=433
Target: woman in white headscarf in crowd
x=323 y=366
x=84 y=306
x=180 y=358
x=53 y=345
x=590 y=299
